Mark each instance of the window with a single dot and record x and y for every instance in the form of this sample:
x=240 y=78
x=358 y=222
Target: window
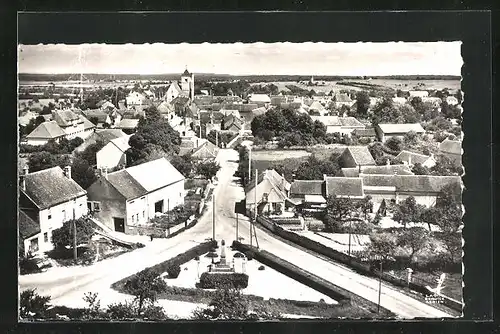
x=143 y=214
x=89 y=206
x=64 y=214
x=49 y=215
x=45 y=237
x=137 y=217
x=97 y=206
x=34 y=245
x=133 y=219
x=265 y=197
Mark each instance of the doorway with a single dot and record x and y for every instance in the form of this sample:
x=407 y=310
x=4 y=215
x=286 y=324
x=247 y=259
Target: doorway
x=159 y=206
x=119 y=224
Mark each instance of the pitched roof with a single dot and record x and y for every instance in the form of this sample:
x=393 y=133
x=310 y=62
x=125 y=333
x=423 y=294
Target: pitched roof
x=350 y=122
x=327 y=120
x=259 y=111
x=142 y=179
x=278 y=181
x=175 y=86
x=128 y=123
x=411 y=183
x=186 y=73
x=344 y=186
x=27 y=226
x=306 y=187
x=316 y=106
x=47 y=130
x=277 y=100
x=415 y=157
x=101 y=116
x=107 y=135
x=262 y=98
x=121 y=143
x=401 y=128
x=342 y=98
x=361 y=155
x=86 y=123
x=65 y=117
x=50 y=186
x=377 y=170
x=205 y=151
x=451 y=146
x=367 y=132
x=231 y=120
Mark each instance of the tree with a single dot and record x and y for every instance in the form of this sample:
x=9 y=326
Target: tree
x=32 y=305
x=382 y=246
x=395 y=144
x=145 y=286
x=415 y=239
x=365 y=206
x=82 y=173
x=410 y=139
x=338 y=209
x=453 y=244
x=63 y=236
x=33 y=124
x=382 y=161
x=362 y=103
x=445 y=167
x=90 y=152
x=418 y=169
x=207 y=169
x=376 y=150
x=94 y=120
x=184 y=164
x=231 y=304
x=409 y=211
x=243 y=165
x=42 y=160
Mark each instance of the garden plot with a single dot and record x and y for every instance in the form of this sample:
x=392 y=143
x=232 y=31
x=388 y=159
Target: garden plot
x=267 y=283
x=339 y=241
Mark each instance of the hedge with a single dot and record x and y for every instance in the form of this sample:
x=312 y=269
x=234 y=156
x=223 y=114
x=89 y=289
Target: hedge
x=163 y=267
x=360 y=267
x=298 y=274
x=220 y=280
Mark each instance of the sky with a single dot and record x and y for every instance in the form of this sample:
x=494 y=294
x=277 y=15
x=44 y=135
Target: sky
x=375 y=59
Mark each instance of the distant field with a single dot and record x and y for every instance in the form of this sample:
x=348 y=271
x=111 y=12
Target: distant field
x=390 y=83
x=263 y=160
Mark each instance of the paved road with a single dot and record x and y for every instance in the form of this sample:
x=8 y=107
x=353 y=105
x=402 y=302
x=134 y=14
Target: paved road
x=66 y=283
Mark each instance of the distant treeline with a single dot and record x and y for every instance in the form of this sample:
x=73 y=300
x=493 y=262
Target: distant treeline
x=213 y=76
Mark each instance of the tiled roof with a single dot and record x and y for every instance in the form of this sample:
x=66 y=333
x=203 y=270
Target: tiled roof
x=50 y=186
x=378 y=170
x=350 y=122
x=186 y=73
x=306 y=187
x=205 y=151
x=344 y=186
x=411 y=183
x=230 y=121
x=126 y=185
x=451 y=146
x=361 y=155
x=86 y=123
x=101 y=116
x=47 y=130
x=277 y=100
x=164 y=108
x=401 y=128
x=65 y=117
x=27 y=226
x=415 y=157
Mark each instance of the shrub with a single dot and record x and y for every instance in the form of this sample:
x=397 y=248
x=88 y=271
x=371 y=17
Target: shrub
x=32 y=305
x=121 y=311
x=154 y=312
x=262 y=268
x=197 y=258
x=173 y=271
x=218 y=281
x=28 y=265
x=238 y=255
x=140 y=245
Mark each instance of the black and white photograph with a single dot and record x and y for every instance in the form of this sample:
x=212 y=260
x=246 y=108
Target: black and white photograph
x=240 y=181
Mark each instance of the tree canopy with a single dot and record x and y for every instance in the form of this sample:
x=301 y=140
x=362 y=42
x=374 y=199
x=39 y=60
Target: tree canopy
x=145 y=286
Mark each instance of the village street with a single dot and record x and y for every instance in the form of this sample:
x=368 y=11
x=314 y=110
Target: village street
x=65 y=284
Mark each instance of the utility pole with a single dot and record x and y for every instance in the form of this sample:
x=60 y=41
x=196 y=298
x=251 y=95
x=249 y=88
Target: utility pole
x=379 y=287
x=213 y=216
x=350 y=228
x=237 y=239
x=216 y=138
x=249 y=163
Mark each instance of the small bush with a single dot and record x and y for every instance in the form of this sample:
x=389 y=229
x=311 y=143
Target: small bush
x=261 y=267
x=238 y=255
x=140 y=245
x=218 y=281
x=197 y=258
x=173 y=271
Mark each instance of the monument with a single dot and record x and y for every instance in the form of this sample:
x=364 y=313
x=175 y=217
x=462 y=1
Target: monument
x=222 y=266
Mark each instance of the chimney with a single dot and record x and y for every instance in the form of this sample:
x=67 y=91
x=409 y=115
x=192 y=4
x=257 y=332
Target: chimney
x=409 y=160
x=67 y=172
x=359 y=169
x=104 y=172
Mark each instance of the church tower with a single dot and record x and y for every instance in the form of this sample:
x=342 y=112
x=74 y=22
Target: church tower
x=187 y=84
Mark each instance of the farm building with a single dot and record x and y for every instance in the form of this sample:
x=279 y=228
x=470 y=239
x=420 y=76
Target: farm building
x=452 y=149
x=386 y=131
x=412 y=158
x=271 y=192
x=356 y=156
